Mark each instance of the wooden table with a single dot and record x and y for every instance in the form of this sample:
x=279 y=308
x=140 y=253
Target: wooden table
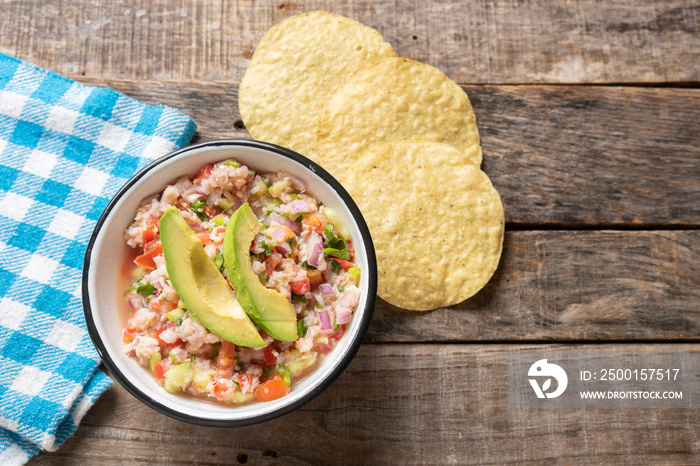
x=589 y=112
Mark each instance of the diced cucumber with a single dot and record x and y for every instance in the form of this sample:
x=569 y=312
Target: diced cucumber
x=155 y=359
x=278 y=187
x=240 y=397
x=201 y=378
x=334 y=218
x=175 y=314
x=271 y=204
x=354 y=273
x=225 y=204
x=178 y=377
x=302 y=364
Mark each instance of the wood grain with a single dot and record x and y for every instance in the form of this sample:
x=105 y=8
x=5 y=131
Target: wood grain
x=559 y=155
x=482 y=41
x=578 y=285
x=399 y=404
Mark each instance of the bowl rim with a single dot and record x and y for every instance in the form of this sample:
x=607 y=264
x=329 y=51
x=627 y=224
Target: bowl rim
x=366 y=316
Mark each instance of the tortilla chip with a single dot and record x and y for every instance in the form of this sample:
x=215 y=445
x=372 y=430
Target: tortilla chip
x=436 y=221
x=394 y=99
x=295 y=67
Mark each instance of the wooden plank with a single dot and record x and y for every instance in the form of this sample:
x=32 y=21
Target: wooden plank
x=399 y=404
x=482 y=41
x=560 y=155
x=574 y=285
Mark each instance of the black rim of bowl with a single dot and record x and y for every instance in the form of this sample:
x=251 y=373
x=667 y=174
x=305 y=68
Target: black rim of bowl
x=354 y=346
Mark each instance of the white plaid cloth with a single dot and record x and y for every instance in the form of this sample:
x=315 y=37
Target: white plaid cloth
x=65 y=149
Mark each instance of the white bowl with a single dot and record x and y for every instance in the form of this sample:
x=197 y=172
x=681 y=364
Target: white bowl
x=107 y=249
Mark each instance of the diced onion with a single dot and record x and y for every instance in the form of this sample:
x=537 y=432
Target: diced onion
x=325 y=289
x=344 y=317
x=284 y=248
x=299 y=207
x=316 y=246
x=325 y=320
x=298 y=183
x=294 y=226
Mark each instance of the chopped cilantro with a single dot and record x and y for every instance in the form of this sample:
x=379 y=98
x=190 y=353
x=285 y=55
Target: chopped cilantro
x=339 y=253
x=335 y=246
x=301 y=328
x=319 y=306
x=219 y=261
x=172 y=356
x=131 y=288
x=215 y=351
x=267 y=372
x=335 y=266
x=197 y=207
x=341 y=288
x=146 y=289
x=268 y=247
x=299 y=298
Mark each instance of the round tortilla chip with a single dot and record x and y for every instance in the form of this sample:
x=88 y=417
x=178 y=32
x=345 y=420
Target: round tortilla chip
x=296 y=66
x=436 y=222
x=394 y=99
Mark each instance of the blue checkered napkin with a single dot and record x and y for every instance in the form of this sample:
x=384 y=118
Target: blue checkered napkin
x=65 y=149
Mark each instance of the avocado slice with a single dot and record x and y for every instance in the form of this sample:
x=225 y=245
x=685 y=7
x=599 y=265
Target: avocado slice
x=270 y=310
x=201 y=286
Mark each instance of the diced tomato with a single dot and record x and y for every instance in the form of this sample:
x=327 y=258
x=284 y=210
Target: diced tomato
x=219 y=387
x=271 y=263
x=343 y=263
x=205 y=171
x=315 y=278
x=270 y=356
x=351 y=249
x=226 y=360
x=300 y=285
x=145 y=260
x=338 y=334
x=128 y=335
x=159 y=370
x=218 y=230
x=314 y=222
x=204 y=237
x=273 y=389
x=148 y=235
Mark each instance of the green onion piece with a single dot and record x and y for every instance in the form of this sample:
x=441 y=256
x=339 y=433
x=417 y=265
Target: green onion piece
x=233 y=163
x=286 y=374
x=335 y=326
